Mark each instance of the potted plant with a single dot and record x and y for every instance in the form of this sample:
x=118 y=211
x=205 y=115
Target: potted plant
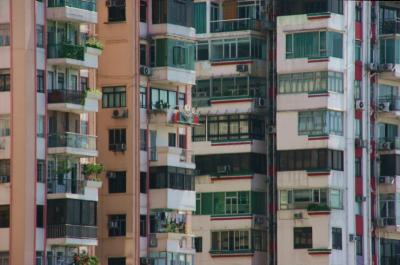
x=85 y=259
x=92 y=42
x=91 y=171
x=161 y=105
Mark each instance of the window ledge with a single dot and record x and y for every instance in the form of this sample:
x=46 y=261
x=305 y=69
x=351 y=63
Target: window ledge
x=319 y=251
x=229 y=253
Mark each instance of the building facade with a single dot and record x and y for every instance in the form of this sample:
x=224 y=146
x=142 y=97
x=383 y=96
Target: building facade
x=48 y=101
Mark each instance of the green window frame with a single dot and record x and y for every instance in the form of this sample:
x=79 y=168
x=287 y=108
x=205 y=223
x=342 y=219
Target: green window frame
x=200 y=19
x=320 y=122
x=114 y=97
x=302 y=198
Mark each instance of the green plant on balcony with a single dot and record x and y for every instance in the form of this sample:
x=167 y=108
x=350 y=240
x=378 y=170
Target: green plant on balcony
x=85 y=259
x=94 y=91
x=161 y=105
x=92 y=42
x=91 y=171
x=72 y=51
x=63 y=167
x=315 y=207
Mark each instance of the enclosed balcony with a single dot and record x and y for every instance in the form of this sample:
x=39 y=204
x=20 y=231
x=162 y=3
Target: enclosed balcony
x=80 y=11
x=172 y=156
x=77 y=101
x=238 y=24
x=297 y=7
x=389 y=21
x=72 y=55
x=70 y=143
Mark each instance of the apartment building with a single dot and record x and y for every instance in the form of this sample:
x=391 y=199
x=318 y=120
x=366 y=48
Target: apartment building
x=48 y=100
x=231 y=95
x=145 y=123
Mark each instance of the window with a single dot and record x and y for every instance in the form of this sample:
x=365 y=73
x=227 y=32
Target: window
x=178 y=55
x=4 y=35
x=143 y=139
x=359 y=246
x=143 y=60
x=72 y=212
x=320 y=122
x=177 y=12
x=4 y=80
x=302 y=237
x=116 y=261
x=163 y=177
x=40 y=126
x=50 y=80
x=4 y=125
x=357 y=89
x=4 y=216
x=161 y=99
x=202 y=50
x=200 y=17
x=143 y=97
x=238 y=49
x=39 y=36
x=357 y=50
x=4 y=171
x=287 y=7
x=237 y=241
x=39 y=258
x=60 y=81
x=41 y=170
x=358 y=13
x=84 y=83
x=116 y=225
x=40 y=81
x=143 y=11
x=116 y=139
x=117 y=182
x=198 y=244
x=310 y=159
x=230 y=164
x=303 y=198
x=171 y=139
x=143 y=182
x=387 y=208
x=4 y=258
x=143 y=226
x=39 y=216
x=182 y=141
x=116 y=11
x=314 y=45
x=230 y=203
x=310 y=82
x=181 y=99
x=114 y=97
x=336 y=238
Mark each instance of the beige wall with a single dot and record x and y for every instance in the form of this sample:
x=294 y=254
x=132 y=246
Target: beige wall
x=119 y=66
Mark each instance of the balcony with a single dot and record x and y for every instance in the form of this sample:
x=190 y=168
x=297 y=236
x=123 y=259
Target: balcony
x=76 y=101
x=162 y=114
x=184 y=200
x=168 y=74
x=172 y=156
x=75 y=144
x=389 y=105
x=64 y=185
x=290 y=7
x=390 y=27
x=72 y=55
x=173 y=242
x=80 y=11
x=238 y=24
x=65 y=234
x=388 y=143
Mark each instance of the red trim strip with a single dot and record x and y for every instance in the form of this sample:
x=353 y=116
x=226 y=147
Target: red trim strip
x=318 y=17
x=318 y=60
x=231 y=143
x=318 y=95
x=319 y=213
x=231 y=62
x=231 y=218
x=318 y=138
x=231 y=178
x=230 y=101
x=318 y=174
x=231 y=255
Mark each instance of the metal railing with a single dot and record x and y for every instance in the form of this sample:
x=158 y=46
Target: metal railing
x=390 y=27
x=89 y=5
x=388 y=143
x=73 y=140
x=66 y=96
x=234 y=25
x=71 y=231
x=60 y=260
x=65 y=185
x=65 y=50
x=394 y=102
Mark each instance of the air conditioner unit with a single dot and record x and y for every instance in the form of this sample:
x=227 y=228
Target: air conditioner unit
x=120 y=113
x=372 y=67
x=389 y=180
x=361 y=143
x=4 y=179
x=386 y=146
x=382 y=180
x=242 y=68
x=271 y=129
x=386 y=67
x=298 y=215
x=153 y=241
x=222 y=169
x=119 y=148
x=352 y=237
x=384 y=106
x=359 y=105
x=145 y=70
x=201 y=94
x=260 y=103
x=111 y=174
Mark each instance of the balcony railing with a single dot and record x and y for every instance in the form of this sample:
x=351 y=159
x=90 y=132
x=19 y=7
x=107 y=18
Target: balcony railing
x=388 y=143
x=65 y=50
x=64 y=185
x=72 y=140
x=390 y=27
x=393 y=101
x=66 y=96
x=234 y=25
x=60 y=260
x=71 y=231
x=89 y=5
